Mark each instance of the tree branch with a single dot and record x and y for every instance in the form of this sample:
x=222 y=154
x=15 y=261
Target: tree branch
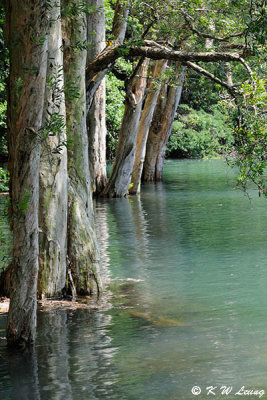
x=112 y=53
x=207 y=35
x=231 y=88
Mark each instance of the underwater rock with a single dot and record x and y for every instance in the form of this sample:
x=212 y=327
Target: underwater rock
x=158 y=321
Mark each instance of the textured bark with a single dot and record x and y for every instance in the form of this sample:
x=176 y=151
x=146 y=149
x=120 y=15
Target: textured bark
x=53 y=173
x=96 y=117
x=163 y=147
x=120 y=178
x=82 y=248
x=120 y=20
x=25 y=98
x=94 y=77
x=160 y=129
x=144 y=125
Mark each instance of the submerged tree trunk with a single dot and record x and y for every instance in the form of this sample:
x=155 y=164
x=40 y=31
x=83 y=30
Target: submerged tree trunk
x=53 y=170
x=163 y=146
x=96 y=117
x=26 y=38
x=120 y=178
x=144 y=125
x=161 y=126
x=83 y=255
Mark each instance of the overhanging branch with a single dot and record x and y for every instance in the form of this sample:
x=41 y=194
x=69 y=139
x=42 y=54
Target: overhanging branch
x=112 y=53
x=231 y=89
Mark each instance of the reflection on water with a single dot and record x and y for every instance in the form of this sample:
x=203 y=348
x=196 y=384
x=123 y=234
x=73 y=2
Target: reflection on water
x=186 y=264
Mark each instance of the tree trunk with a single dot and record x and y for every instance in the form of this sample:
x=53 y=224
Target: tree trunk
x=160 y=129
x=53 y=170
x=82 y=248
x=94 y=77
x=120 y=178
x=96 y=117
x=120 y=20
x=26 y=37
x=144 y=125
x=163 y=147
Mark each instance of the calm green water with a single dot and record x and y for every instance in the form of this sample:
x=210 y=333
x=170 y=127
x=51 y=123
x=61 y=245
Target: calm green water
x=186 y=264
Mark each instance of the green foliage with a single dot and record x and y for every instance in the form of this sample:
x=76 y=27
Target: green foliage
x=114 y=112
x=115 y=95
x=109 y=15
x=78 y=8
x=5 y=234
x=53 y=125
x=251 y=136
x=3 y=77
x=20 y=207
x=199 y=134
x=3 y=141
x=4 y=179
x=71 y=91
x=256 y=31
x=199 y=92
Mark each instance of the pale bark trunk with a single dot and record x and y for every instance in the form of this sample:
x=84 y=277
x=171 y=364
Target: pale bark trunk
x=94 y=78
x=25 y=22
x=82 y=248
x=154 y=136
x=120 y=20
x=144 y=125
x=53 y=172
x=96 y=117
x=160 y=129
x=163 y=147
x=120 y=178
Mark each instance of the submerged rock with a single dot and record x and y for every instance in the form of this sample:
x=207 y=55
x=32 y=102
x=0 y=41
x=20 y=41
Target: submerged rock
x=157 y=321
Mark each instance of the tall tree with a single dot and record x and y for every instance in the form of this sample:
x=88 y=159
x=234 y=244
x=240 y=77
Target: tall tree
x=53 y=168
x=96 y=116
x=120 y=177
x=161 y=126
x=26 y=24
x=144 y=124
x=83 y=254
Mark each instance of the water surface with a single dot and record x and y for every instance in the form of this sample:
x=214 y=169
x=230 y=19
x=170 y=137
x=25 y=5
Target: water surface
x=186 y=265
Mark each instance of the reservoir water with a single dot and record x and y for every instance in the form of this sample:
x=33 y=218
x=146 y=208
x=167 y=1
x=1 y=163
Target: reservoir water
x=186 y=303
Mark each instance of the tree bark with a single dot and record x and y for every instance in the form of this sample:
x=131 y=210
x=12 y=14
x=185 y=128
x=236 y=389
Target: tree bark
x=120 y=20
x=96 y=117
x=94 y=77
x=160 y=129
x=26 y=38
x=163 y=147
x=144 y=125
x=120 y=178
x=53 y=170
x=83 y=254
